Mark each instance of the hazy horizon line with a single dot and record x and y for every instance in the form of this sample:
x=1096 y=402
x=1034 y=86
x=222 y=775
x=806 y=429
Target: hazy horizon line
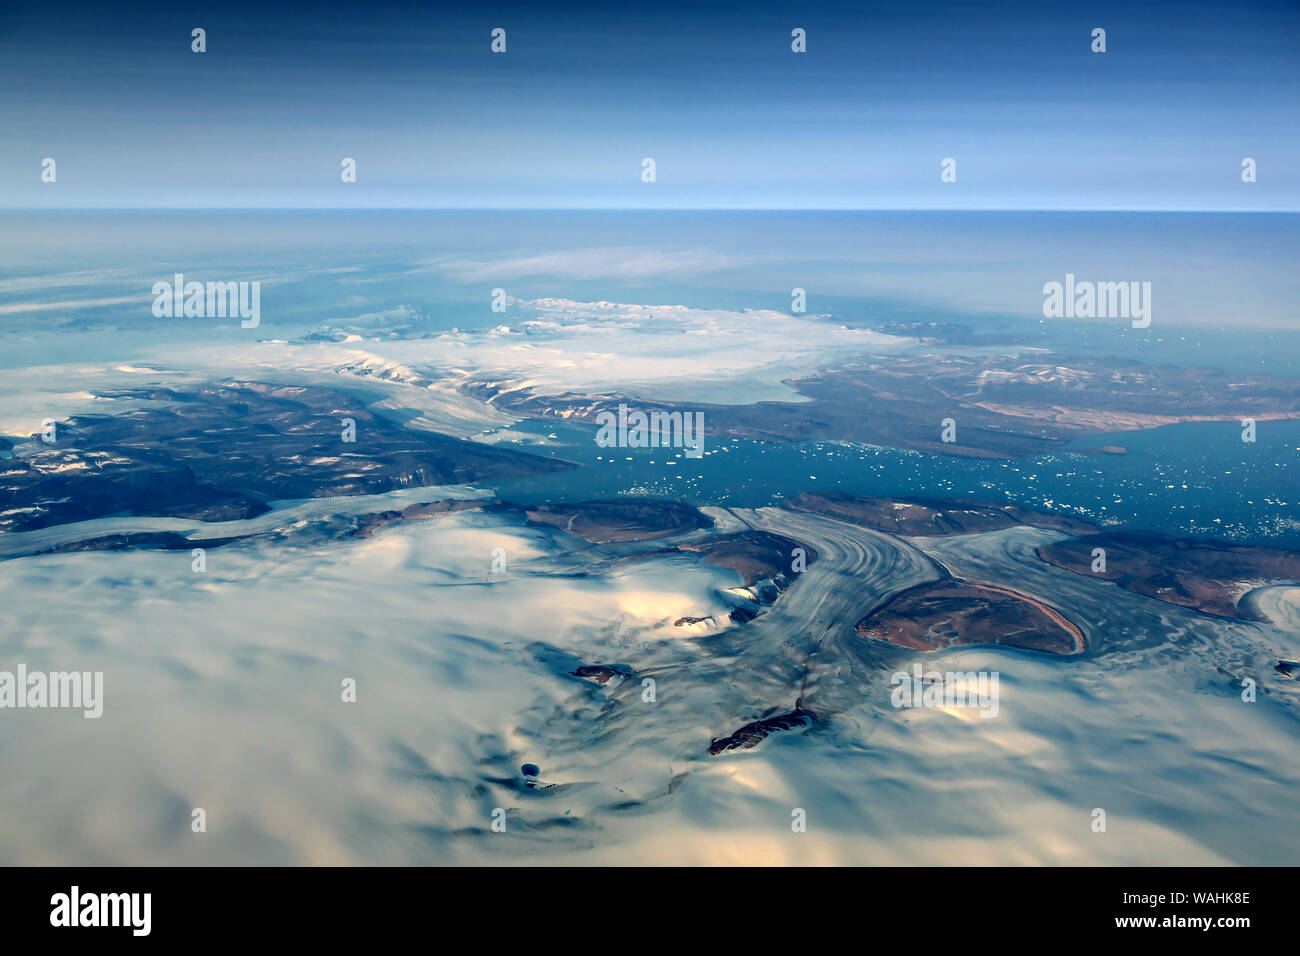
x=844 y=209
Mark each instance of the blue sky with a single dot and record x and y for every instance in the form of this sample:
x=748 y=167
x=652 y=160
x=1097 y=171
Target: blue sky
x=732 y=117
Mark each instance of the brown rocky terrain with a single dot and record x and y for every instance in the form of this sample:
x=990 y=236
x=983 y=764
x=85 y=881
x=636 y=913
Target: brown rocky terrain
x=619 y=519
x=1209 y=576
x=600 y=673
x=926 y=516
x=754 y=555
x=752 y=734
x=1004 y=406
x=367 y=524
x=952 y=613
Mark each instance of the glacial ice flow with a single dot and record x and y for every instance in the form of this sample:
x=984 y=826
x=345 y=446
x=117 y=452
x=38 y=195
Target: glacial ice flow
x=222 y=689
x=223 y=692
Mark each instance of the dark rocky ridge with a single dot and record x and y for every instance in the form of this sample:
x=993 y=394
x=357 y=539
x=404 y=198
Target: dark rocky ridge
x=138 y=540
x=221 y=451
x=752 y=734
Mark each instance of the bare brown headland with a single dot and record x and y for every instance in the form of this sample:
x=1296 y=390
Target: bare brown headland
x=620 y=519
x=1209 y=576
x=754 y=555
x=952 y=613
x=925 y=516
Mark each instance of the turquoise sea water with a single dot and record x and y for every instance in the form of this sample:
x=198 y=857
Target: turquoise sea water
x=75 y=286
x=1195 y=479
